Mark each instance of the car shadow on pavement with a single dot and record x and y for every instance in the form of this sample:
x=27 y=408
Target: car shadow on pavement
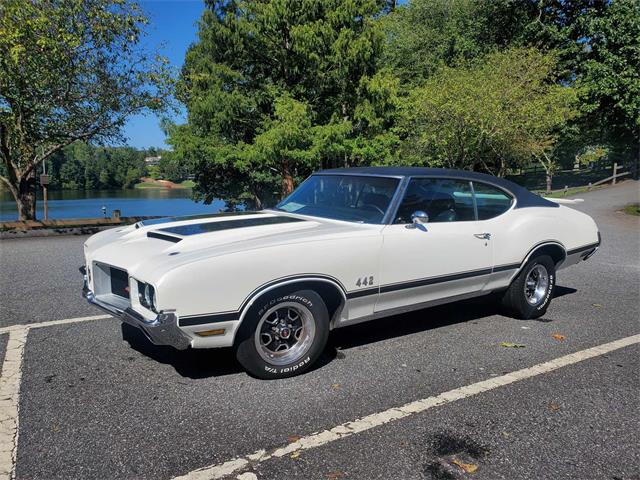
x=560 y=291
x=425 y=319
x=413 y=322
x=198 y=364
x=190 y=363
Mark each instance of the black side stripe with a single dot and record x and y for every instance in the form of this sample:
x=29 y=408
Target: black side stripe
x=232 y=316
x=421 y=282
x=434 y=280
x=583 y=249
x=363 y=293
x=504 y=268
x=211 y=318
x=162 y=236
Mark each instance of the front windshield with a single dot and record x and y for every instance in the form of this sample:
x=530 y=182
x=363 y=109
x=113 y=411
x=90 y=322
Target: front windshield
x=342 y=197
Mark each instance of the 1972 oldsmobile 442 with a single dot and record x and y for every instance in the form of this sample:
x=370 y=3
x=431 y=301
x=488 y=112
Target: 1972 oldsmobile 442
x=347 y=246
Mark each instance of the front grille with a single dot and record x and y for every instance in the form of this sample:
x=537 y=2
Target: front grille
x=119 y=282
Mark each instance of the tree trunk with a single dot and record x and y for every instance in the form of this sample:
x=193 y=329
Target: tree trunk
x=287 y=179
x=258 y=202
x=26 y=198
x=549 y=180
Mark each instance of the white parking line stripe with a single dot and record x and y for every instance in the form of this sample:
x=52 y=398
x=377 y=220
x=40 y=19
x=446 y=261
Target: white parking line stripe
x=28 y=326
x=10 y=377
x=375 y=420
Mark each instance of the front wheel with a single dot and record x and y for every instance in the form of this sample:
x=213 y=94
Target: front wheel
x=530 y=293
x=284 y=335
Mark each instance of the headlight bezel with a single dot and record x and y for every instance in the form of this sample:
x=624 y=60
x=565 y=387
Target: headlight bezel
x=147 y=296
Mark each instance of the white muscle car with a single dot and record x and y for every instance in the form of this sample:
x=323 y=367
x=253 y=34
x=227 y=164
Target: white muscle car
x=347 y=246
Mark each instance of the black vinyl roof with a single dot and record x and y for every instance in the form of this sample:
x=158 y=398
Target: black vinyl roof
x=524 y=197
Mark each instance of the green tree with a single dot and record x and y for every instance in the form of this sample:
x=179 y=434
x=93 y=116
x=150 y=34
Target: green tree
x=69 y=70
x=425 y=35
x=610 y=74
x=278 y=88
x=596 y=44
x=72 y=175
x=498 y=113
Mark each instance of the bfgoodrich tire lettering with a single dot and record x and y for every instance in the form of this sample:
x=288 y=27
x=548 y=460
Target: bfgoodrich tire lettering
x=531 y=291
x=283 y=334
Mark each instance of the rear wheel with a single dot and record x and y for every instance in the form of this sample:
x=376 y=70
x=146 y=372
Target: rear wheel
x=530 y=293
x=284 y=335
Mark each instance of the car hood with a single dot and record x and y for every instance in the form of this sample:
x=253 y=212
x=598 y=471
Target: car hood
x=152 y=247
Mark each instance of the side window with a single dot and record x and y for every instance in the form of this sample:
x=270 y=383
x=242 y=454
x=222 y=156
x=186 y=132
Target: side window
x=490 y=201
x=443 y=200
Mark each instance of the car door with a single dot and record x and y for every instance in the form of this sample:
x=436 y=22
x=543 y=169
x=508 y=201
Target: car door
x=448 y=256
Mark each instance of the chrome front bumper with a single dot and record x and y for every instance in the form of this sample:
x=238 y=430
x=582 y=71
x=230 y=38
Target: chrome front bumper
x=162 y=330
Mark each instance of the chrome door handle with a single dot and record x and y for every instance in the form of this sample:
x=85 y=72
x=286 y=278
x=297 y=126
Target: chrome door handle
x=482 y=236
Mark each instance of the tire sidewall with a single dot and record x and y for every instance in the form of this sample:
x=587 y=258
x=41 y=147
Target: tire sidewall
x=247 y=353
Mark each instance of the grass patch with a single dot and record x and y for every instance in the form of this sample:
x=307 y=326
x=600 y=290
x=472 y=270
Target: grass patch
x=570 y=191
x=633 y=209
x=145 y=185
x=153 y=185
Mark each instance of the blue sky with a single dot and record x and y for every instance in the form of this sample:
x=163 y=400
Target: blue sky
x=172 y=28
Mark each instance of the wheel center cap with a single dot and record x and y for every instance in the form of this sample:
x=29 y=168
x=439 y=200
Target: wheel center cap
x=284 y=332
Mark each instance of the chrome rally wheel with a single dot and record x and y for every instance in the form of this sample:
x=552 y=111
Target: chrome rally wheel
x=285 y=333
x=531 y=290
x=536 y=284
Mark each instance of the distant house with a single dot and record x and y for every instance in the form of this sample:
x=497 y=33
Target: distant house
x=151 y=161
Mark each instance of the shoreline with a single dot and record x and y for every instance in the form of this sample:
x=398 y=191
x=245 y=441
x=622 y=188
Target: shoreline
x=70 y=226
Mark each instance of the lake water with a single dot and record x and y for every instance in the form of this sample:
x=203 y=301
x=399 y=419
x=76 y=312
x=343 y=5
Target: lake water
x=134 y=202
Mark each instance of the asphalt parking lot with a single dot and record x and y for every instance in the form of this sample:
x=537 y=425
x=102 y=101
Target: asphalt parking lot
x=83 y=398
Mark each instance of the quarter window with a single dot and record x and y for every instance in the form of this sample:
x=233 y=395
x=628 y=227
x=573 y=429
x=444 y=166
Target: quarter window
x=444 y=200
x=490 y=201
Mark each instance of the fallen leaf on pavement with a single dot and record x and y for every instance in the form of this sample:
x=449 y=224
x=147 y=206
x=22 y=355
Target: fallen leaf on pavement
x=336 y=386
x=467 y=467
x=554 y=407
x=506 y=434
x=558 y=337
x=334 y=475
x=293 y=438
x=295 y=454
x=597 y=305
x=512 y=345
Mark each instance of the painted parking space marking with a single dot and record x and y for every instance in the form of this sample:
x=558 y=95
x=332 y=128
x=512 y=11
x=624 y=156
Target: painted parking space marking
x=51 y=323
x=10 y=377
x=237 y=465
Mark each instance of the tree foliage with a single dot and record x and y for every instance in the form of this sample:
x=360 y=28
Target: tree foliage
x=595 y=44
x=276 y=89
x=492 y=115
x=69 y=70
x=610 y=72
x=85 y=166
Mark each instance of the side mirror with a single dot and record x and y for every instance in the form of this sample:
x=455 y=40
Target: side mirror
x=419 y=217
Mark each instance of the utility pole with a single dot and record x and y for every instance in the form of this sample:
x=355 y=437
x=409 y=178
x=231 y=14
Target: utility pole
x=44 y=181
